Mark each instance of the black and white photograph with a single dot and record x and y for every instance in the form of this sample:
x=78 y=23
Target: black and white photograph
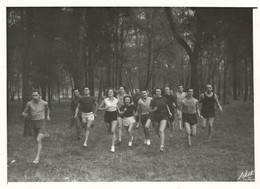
x=136 y=94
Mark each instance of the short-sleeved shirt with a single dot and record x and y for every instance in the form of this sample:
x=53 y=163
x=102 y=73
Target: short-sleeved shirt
x=128 y=110
x=87 y=104
x=170 y=100
x=74 y=104
x=144 y=105
x=37 y=110
x=121 y=100
x=161 y=104
x=189 y=106
x=111 y=105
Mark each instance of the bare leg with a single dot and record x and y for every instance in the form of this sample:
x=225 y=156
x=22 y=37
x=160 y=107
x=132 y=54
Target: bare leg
x=210 y=123
x=188 y=131
x=130 y=134
x=120 y=124
x=39 y=148
x=108 y=125
x=89 y=123
x=171 y=128
x=204 y=121
x=156 y=127
x=193 y=130
x=113 y=132
x=161 y=132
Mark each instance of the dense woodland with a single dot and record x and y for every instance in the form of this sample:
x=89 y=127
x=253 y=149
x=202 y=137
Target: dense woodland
x=58 y=49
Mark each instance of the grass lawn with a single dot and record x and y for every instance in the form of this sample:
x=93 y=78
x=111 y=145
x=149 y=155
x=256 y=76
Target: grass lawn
x=230 y=152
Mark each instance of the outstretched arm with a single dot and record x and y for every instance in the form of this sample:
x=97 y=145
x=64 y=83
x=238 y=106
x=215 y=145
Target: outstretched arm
x=26 y=110
x=218 y=104
x=198 y=109
x=101 y=105
x=170 y=114
x=77 y=110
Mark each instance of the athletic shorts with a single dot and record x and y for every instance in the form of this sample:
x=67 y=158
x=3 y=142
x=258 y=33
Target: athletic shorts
x=110 y=116
x=159 y=117
x=39 y=126
x=189 y=118
x=87 y=116
x=128 y=120
x=207 y=114
x=144 y=118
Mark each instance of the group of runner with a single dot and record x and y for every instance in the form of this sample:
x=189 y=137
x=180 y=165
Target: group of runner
x=124 y=110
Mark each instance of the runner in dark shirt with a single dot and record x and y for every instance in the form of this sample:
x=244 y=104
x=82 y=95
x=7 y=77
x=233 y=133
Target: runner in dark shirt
x=75 y=121
x=208 y=100
x=88 y=106
x=171 y=102
x=136 y=98
x=160 y=110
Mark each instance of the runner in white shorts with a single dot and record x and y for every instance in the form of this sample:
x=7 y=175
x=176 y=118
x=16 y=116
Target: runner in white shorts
x=144 y=112
x=128 y=111
x=88 y=106
x=180 y=95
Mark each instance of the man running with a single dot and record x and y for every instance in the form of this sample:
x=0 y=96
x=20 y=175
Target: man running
x=171 y=102
x=190 y=109
x=144 y=112
x=136 y=97
x=38 y=110
x=76 y=121
x=120 y=97
x=88 y=106
x=208 y=100
x=180 y=95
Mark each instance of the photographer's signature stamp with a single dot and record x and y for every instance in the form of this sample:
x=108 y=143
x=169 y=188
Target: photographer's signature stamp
x=247 y=176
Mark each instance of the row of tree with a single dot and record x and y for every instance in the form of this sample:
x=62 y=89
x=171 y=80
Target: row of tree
x=57 y=49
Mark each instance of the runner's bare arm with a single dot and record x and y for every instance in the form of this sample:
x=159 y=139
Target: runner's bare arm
x=198 y=109
x=218 y=104
x=101 y=105
x=201 y=97
x=77 y=110
x=95 y=108
x=25 y=112
x=170 y=114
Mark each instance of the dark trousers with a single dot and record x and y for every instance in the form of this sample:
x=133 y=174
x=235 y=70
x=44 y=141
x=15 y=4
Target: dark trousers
x=76 y=122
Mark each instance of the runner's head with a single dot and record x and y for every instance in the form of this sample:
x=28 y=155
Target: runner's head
x=121 y=90
x=76 y=92
x=190 y=92
x=158 y=92
x=110 y=92
x=144 y=93
x=35 y=94
x=167 y=90
x=127 y=100
x=180 y=88
x=209 y=88
x=86 y=90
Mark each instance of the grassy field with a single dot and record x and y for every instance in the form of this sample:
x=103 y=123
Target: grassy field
x=230 y=152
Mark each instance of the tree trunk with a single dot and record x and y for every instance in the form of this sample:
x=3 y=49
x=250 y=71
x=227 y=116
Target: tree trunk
x=235 y=79
x=246 y=81
x=58 y=90
x=26 y=60
x=91 y=70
